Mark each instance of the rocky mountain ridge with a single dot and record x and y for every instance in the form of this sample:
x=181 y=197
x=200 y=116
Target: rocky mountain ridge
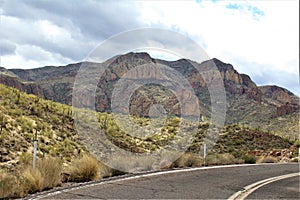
x=246 y=102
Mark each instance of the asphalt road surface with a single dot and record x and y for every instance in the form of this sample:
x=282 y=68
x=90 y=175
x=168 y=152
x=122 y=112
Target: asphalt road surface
x=203 y=183
x=282 y=189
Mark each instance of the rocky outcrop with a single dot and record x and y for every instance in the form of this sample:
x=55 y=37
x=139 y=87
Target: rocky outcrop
x=238 y=84
x=286 y=109
x=30 y=88
x=285 y=101
x=279 y=94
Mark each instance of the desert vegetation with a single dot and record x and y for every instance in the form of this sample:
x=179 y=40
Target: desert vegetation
x=62 y=157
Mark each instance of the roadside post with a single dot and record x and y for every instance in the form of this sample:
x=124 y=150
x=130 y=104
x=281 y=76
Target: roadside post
x=35 y=142
x=204 y=153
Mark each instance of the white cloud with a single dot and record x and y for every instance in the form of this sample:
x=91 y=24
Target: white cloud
x=26 y=57
x=257 y=37
x=270 y=39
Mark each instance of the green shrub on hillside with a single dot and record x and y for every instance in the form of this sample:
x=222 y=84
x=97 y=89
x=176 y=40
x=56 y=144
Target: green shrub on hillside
x=249 y=159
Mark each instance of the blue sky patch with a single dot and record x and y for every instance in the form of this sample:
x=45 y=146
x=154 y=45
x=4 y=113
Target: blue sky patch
x=234 y=6
x=255 y=11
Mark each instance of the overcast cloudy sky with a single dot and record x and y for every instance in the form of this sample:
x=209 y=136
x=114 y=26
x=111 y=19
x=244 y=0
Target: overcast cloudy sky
x=260 y=38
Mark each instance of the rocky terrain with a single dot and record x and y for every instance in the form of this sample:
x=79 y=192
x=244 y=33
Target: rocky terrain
x=247 y=103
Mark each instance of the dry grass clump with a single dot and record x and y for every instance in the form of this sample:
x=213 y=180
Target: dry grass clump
x=222 y=159
x=132 y=164
x=46 y=175
x=268 y=159
x=86 y=168
x=9 y=186
x=33 y=180
x=189 y=160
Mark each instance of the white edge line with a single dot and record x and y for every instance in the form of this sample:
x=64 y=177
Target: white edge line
x=150 y=174
x=242 y=194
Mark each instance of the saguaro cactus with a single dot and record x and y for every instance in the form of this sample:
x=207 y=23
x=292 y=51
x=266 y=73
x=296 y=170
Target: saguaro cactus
x=2 y=122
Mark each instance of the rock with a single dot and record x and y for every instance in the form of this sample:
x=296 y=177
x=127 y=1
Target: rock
x=166 y=164
x=65 y=177
x=30 y=88
x=284 y=160
x=4 y=158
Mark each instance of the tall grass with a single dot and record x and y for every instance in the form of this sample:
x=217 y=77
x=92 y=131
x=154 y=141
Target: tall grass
x=132 y=164
x=9 y=186
x=84 y=169
x=46 y=175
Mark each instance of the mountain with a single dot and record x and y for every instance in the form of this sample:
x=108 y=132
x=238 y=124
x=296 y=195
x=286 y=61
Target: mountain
x=247 y=103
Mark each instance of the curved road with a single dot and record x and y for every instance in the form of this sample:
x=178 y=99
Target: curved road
x=283 y=189
x=201 y=183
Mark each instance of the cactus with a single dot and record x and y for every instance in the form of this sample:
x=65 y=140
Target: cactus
x=2 y=122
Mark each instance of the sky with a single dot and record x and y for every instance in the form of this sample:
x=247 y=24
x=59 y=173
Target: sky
x=259 y=38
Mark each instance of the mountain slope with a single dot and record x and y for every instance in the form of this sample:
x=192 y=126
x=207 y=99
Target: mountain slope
x=23 y=116
x=246 y=102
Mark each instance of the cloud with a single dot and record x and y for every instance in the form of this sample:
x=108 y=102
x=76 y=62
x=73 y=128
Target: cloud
x=69 y=29
x=269 y=74
x=7 y=47
x=259 y=38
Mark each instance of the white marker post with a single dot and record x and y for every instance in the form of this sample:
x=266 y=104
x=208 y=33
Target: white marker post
x=34 y=153
x=35 y=142
x=299 y=155
x=204 y=152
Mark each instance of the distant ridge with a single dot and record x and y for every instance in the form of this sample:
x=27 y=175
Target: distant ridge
x=246 y=102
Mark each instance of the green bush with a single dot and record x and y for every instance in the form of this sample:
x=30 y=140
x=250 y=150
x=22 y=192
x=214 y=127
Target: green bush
x=249 y=159
x=297 y=143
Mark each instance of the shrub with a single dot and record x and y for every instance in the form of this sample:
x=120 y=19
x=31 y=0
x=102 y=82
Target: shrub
x=268 y=159
x=25 y=158
x=297 y=143
x=249 y=159
x=9 y=186
x=51 y=169
x=125 y=164
x=222 y=159
x=189 y=160
x=84 y=169
x=33 y=180
x=46 y=175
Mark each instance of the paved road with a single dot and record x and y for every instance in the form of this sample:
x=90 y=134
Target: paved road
x=282 y=189
x=208 y=183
